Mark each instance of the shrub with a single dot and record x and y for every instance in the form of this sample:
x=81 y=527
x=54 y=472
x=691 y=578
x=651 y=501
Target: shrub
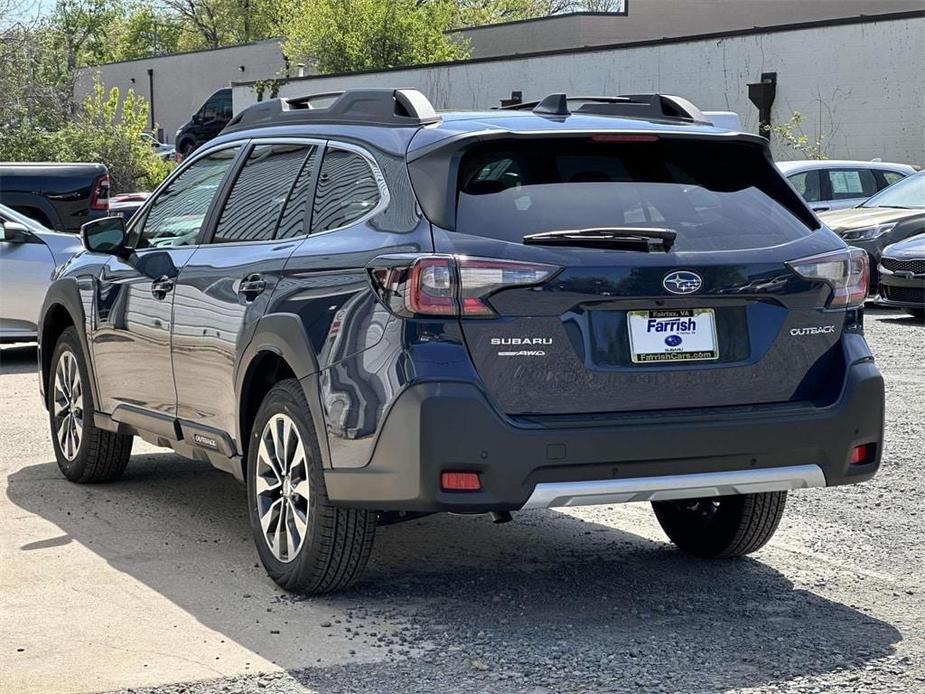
x=104 y=129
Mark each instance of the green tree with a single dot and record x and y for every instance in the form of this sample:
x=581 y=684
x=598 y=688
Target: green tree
x=350 y=35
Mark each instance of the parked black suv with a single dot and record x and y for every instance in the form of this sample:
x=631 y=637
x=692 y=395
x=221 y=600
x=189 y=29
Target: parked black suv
x=364 y=308
x=208 y=121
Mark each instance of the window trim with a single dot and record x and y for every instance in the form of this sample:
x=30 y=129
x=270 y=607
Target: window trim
x=384 y=196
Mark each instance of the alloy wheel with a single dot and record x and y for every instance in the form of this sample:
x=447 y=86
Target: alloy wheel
x=282 y=487
x=68 y=405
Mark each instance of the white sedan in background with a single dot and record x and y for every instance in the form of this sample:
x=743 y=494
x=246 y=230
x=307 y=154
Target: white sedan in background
x=29 y=254
x=833 y=184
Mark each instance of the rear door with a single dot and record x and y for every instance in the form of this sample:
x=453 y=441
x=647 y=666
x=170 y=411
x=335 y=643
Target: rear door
x=849 y=186
x=717 y=319
x=225 y=287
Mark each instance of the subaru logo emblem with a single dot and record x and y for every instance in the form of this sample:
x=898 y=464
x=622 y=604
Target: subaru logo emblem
x=673 y=340
x=682 y=282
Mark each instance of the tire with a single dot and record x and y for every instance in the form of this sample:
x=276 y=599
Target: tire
x=722 y=527
x=306 y=544
x=917 y=313
x=84 y=452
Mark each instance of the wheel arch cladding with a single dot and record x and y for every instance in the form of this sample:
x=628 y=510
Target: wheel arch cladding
x=62 y=308
x=279 y=349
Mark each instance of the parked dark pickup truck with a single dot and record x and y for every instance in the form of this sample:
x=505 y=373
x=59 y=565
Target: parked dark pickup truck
x=58 y=196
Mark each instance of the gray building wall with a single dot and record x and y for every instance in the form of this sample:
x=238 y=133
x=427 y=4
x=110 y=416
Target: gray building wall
x=858 y=84
x=655 y=19
x=183 y=81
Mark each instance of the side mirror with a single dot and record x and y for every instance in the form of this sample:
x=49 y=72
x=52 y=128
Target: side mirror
x=196 y=119
x=14 y=232
x=106 y=235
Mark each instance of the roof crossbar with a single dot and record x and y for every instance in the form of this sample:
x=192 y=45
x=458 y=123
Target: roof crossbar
x=648 y=106
x=389 y=107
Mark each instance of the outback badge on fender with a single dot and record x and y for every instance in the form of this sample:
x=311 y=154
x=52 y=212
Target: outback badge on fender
x=682 y=282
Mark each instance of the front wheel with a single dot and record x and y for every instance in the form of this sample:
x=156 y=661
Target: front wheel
x=306 y=544
x=918 y=313
x=85 y=453
x=721 y=527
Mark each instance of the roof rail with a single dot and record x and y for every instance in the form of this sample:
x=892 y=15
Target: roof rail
x=388 y=107
x=648 y=106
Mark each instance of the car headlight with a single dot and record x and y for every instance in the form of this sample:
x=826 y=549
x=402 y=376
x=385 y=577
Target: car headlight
x=868 y=233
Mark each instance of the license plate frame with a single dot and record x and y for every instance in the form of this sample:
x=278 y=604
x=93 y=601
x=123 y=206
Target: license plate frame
x=664 y=342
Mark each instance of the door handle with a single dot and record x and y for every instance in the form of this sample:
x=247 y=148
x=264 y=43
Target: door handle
x=161 y=287
x=251 y=287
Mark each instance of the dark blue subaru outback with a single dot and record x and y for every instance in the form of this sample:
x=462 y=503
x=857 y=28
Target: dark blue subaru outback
x=367 y=311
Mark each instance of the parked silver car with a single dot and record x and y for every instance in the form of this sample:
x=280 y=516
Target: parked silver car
x=832 y=184
x=29 y=254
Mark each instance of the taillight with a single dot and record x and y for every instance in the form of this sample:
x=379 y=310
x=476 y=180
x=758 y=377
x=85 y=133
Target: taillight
x=99 y=196
x=847 y=271
x=444 y=285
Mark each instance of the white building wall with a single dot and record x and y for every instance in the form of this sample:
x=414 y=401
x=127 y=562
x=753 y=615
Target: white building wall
x=860 y=86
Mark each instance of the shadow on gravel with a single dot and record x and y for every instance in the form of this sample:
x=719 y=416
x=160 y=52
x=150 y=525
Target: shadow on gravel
x=18 y=359
x=545 y=600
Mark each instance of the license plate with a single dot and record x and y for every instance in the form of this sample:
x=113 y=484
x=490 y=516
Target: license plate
x=672 y=335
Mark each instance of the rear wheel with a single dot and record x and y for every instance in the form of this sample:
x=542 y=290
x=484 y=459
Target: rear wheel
x=306 y=544
x=85 y=453
x=724 y=526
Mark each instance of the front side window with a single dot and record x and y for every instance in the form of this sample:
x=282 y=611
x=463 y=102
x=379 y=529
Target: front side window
x=176 y=215
x=347 y=190
x=260 y=192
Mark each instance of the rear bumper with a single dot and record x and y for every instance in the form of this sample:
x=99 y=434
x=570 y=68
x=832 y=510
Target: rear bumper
x=436 y=427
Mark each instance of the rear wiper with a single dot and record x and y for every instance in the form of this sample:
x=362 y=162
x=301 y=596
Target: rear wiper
x=629 y=238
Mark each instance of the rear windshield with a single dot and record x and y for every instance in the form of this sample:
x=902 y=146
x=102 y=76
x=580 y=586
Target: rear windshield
x=716 y=196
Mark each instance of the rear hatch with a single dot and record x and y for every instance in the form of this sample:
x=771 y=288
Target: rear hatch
x=662 y=276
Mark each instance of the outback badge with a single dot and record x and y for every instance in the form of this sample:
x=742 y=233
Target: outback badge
x=682 y=282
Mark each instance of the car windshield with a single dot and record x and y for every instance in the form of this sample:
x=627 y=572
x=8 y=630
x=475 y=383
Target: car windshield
x=908 y=193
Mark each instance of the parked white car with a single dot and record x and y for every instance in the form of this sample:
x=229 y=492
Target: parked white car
x=29 y=254
x=833 y=184
x=161 y=149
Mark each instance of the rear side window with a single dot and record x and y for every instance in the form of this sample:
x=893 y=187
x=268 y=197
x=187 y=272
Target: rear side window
x=258 y=195
x=347 y=190
x=891 y=177
x=808 y=185
x=852 y=183
x=716 y=196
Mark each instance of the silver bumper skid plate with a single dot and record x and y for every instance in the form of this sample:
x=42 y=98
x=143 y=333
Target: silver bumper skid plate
x=668 y=487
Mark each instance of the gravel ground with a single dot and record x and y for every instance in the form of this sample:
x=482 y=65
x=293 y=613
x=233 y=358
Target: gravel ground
x=595 y=600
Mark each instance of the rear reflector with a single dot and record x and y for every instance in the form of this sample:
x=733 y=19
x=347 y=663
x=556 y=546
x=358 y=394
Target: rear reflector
x=861 y=455
x=460 y=481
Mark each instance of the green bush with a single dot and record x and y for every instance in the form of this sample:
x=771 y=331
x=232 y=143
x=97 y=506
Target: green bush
x=104 y=129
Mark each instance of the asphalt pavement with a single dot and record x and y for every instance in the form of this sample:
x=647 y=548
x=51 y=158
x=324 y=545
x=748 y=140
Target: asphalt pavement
x=152 y=584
